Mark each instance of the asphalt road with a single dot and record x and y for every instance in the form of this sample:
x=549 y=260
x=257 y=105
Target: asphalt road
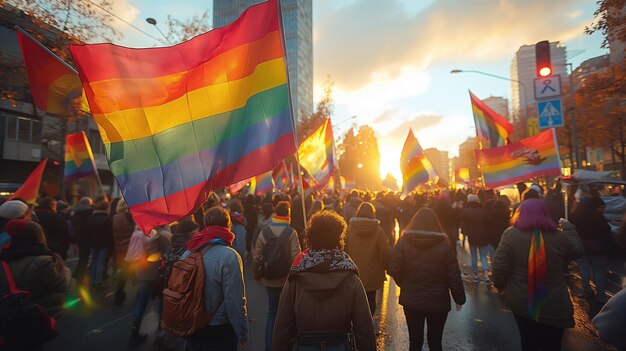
x=483 y=323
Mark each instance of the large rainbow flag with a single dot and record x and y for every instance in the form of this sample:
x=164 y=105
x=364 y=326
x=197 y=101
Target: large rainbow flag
x=415 y=166
x=492 y=129
x=180 y=121
x=53 y=84
x=531 y=157
x=79 y=161
x=317 y=154
x=262 y=184
x=30 y=188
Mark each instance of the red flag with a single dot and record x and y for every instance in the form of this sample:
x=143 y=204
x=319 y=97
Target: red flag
x=30 y=189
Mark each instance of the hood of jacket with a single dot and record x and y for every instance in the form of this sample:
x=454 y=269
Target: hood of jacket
x=364 y=227
x=424 y=239
x=321 y=285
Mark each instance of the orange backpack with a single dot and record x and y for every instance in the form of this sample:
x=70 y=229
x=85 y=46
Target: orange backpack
x=183 y=299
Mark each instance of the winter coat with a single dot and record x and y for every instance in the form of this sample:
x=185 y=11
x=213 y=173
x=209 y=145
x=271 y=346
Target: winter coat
x=387 y=222
x=123 y=228
x=239 y=229
x=497 y=223
x=593 y=229
x=323 y=301
x=39 y=275
x=147 y=269
x=350 y=209
x=259 y=248
x=474 y=224
x=510 y=272
x=366 y=243
x=99 y=228
x=449 y=219
x=426 y=269
x=56 y=230
x=610 y=322
x=79 y=220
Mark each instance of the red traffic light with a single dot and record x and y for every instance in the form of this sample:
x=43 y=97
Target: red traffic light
x=542 y=59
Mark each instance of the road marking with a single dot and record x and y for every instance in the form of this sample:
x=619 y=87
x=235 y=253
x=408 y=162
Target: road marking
x=99 y=329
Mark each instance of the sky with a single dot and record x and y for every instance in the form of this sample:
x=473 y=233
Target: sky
x=390 y=60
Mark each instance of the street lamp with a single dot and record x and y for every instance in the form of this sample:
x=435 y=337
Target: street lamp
x=455 y=71
x=153 y=22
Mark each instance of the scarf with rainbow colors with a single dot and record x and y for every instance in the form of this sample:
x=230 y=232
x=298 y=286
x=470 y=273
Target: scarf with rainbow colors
x=537 y=275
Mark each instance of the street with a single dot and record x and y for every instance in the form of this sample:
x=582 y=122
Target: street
x=484 y=323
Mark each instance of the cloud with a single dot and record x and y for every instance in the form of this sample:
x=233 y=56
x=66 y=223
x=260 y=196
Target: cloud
x=383 y=38
x=127 y=12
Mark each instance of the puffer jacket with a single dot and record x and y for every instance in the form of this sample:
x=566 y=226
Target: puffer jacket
x=510 y=272
x=474 y=224
x=123 y=228
x=366 y=243
x=425 y=267
x=323 y=302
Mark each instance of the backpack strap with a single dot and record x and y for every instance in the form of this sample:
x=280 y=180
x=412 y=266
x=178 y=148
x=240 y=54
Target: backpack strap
x=9 y=278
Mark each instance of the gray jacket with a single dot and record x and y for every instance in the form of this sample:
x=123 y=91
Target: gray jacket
x=224 y=289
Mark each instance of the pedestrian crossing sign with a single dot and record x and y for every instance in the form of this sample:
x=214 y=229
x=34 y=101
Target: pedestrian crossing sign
x=550 y=113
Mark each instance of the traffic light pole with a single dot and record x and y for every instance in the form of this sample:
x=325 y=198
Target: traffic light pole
x=573 y=118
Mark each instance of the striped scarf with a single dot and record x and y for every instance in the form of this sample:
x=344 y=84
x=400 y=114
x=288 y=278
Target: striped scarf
x=280 y=221
x=537 y=275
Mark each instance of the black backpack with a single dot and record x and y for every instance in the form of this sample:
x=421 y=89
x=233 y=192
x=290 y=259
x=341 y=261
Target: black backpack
x=23 y=323
x=276 y=259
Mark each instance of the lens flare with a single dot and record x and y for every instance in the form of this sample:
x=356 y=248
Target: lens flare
x=85 y=296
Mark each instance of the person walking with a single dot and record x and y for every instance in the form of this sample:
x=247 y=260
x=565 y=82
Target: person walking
x=123 y=226
x=54 y=226
x=276 y=247
x=323 y=300
x=449 y=219
x=83 y=211
x=251 y=212
x=99 y=227
x=239 y=227
x=498 y=220
x=224 y=290
x=35 y=269
x=528 y=268
x=474 y=226
x=367 y=245
x=14 y=209
x=595 y=232
x=424 y=265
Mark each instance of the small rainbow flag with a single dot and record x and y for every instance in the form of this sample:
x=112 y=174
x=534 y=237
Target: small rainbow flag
x=180 y=121
x=317 y=154
x=492 y=129
x=261 y=184
x=79 y=161
x=281 y=175
x=53 y=84
x=531 y=157
x=30 y=189
x=415 y=166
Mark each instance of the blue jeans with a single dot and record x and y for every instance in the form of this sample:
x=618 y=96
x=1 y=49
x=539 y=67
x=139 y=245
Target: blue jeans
x=273 y=295
x=144 y=292
x=98 y=264
x=595 y=264
x=483 y=251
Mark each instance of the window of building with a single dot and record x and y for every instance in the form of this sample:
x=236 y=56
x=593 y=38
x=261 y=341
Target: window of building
x=22 y=128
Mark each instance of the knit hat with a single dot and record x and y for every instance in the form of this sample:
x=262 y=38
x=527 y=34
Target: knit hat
x=537 y=188
x=24 y=231
x=472 y=198
x=13 y=209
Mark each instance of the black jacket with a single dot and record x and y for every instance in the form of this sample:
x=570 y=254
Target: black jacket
x=99 y=227
x=56 y=231
x=592 y=228
x=79 y=221
x=427 y=271
x=474 y=224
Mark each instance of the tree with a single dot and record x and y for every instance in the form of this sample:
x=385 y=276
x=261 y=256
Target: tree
x=360 y=148
x=325 y=108
x=183 y=30
x=610 y=21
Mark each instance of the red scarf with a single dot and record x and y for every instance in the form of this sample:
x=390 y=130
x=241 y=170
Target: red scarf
x=211 y=234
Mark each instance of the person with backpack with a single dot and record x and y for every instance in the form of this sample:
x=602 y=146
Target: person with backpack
x=276 y=248
x=13 y=209
x=205 y=300
x=323 y=301
x=31 y=267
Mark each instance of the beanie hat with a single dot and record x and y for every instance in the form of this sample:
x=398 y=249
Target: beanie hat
x=537 y=188
x=24 y=231
x=472 y=198
x=13 y=209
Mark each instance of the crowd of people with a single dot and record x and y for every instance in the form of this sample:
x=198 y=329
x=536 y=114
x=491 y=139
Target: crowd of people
x=322 y=278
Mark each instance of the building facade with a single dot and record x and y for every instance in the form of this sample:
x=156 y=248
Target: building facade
x=523 y=70
x=441 y=162
x=297 y=19
x=500 y=105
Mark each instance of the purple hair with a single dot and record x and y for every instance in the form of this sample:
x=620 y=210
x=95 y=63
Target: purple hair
x=533 y=214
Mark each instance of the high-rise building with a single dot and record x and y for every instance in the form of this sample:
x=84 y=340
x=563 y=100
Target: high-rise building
x=441 y=162
x=523 y=69
x=298 y=27
x=500 y=105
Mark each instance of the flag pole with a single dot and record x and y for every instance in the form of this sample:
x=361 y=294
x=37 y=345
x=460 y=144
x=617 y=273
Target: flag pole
x=558 y=157
x=293 y=115
x=67 y=65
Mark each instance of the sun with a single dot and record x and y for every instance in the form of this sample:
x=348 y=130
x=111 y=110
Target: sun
x=390 y=162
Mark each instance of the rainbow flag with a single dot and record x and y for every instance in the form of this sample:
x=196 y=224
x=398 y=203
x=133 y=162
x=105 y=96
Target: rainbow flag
x=462 y=175
x=281 y=175
x=262 y=184
x=30 y=189
x=79 y=161
x=349 y=183
x=182 y=120
x=317 y=154
x=53 y=85
x=492 y=129
x=531 y=157
x=415 y=166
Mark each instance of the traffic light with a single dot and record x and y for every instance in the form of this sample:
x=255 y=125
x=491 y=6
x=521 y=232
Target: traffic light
x=542 y=57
